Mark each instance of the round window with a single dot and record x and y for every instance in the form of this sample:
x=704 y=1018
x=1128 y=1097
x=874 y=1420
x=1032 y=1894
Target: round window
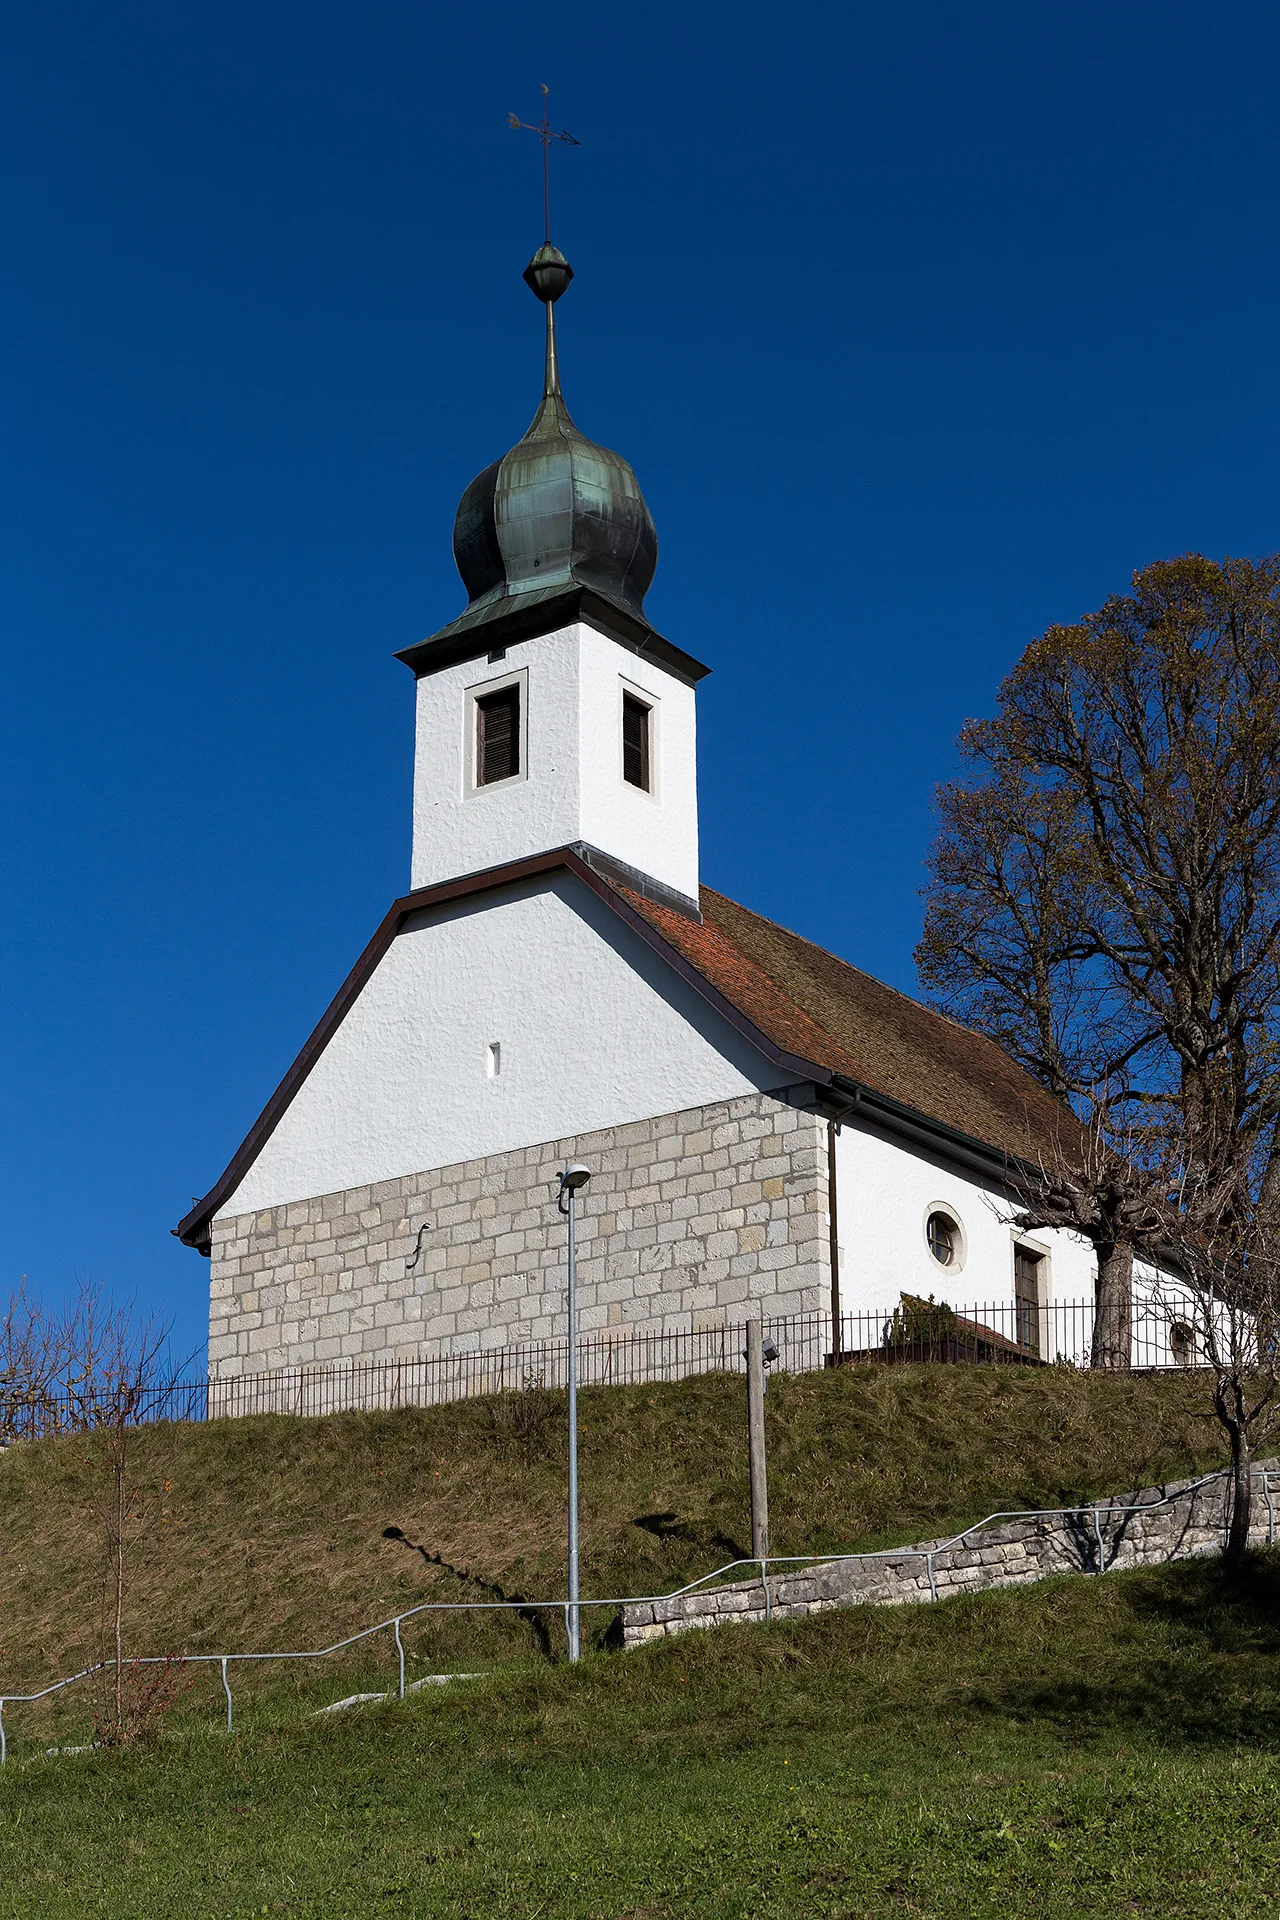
x=944 y=1238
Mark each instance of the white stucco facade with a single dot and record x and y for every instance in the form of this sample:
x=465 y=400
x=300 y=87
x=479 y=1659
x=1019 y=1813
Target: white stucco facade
x=885 y=1192
x=496 y=1024
x=570 y=786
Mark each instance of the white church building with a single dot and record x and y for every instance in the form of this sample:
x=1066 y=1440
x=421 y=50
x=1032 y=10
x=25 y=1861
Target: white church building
x=769 y=1131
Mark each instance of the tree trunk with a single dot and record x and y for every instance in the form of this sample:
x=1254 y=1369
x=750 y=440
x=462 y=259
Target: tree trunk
x=1229 y=1405
x=119 y=1586
x=1113 y=1307
x=1241 y=1500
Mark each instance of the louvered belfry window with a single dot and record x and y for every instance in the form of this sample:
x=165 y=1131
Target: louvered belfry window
x=497 y=736
x=635 y=742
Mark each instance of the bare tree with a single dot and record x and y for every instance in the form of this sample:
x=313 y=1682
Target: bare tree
x=1220 y=1294
x=31 y=1368
x=117 y=1372
x=1105 y=898
x=1106 y=1190
x=99 y=1368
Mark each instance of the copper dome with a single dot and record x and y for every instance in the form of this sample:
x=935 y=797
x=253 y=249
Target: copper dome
x=557 y=509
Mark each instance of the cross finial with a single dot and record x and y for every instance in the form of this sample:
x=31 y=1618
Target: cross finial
x=546 y=133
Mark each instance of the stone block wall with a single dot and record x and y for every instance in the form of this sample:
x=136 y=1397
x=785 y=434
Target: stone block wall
x=1172 y=1522
x=690 y=1220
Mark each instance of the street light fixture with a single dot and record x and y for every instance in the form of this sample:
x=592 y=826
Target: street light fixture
x=572 y=1180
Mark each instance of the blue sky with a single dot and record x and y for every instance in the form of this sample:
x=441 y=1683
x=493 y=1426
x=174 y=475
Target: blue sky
x=922 y=328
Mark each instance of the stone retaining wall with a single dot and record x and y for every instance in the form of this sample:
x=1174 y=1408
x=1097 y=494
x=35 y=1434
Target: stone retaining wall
x=691 y=1219
x=1191 y=1519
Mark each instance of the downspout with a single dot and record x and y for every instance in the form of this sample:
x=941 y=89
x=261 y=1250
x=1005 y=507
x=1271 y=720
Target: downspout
x=833 y=1218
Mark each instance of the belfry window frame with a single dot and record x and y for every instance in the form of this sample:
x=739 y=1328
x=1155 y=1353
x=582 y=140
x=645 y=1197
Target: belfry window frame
x=472 y=784
x=629 y=690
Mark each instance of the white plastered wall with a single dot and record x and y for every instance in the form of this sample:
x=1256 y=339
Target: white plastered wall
x=594 y=1030
x=885 y=1192
x=571 y=786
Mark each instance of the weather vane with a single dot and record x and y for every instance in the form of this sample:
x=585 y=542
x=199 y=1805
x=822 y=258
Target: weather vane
x=546 y=133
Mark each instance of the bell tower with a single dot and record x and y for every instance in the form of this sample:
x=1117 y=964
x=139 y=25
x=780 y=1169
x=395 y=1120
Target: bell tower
x=550 y=712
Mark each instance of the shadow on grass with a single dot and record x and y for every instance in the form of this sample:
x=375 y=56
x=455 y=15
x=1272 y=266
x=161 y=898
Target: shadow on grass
x=669 y=1526
x=518 y=1602
x=1189 y=1652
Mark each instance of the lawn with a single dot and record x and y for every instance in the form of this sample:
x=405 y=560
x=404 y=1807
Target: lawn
x=1104 y=1746
x=1082 y=1747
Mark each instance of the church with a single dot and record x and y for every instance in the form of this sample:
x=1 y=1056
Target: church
x=769 y=1131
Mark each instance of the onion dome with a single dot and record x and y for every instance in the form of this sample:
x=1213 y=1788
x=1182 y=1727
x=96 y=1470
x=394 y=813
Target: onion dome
x=558 y=510
x=555 y=532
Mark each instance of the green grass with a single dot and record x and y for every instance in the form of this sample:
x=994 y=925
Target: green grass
x=1100 y=1747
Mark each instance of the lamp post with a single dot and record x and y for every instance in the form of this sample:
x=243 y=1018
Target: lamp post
x=571 y=1180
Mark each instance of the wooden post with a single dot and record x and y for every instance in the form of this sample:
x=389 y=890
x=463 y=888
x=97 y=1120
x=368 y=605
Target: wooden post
x=755 y=1441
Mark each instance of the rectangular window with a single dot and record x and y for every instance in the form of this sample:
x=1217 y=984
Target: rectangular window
x=636 y=746
x=497 y=736
x=1026 y=1297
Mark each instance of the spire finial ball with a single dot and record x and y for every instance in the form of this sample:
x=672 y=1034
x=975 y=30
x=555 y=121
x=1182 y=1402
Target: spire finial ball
x=548 y=274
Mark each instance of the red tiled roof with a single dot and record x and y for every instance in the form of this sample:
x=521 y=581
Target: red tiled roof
x=810 y=1003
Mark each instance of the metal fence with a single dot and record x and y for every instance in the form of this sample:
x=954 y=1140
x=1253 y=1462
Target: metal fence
x=604 y=1360
x=36 y=1415
x=1150 y=1334
x=914 y=1332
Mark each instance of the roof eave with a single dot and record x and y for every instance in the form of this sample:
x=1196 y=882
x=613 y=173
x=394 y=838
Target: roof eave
x=512 y=617
x=923 y=1130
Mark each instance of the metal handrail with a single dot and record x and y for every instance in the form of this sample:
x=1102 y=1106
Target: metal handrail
x=394 y=1622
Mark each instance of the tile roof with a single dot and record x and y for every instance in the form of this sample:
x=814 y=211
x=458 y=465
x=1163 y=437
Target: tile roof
x=810 y=1003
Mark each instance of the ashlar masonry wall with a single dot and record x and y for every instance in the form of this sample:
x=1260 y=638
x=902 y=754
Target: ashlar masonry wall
x=1173 y=1522
x=690 y=1219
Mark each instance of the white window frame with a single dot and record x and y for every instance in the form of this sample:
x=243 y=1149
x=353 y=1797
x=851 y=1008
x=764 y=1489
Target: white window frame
x=654 y=705
x=962 y=1239
x=471 y=698
x=1044 y=1274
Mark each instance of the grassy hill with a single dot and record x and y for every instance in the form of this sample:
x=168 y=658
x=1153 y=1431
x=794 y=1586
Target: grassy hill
x=1103 y=1747
x=269 y=1533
